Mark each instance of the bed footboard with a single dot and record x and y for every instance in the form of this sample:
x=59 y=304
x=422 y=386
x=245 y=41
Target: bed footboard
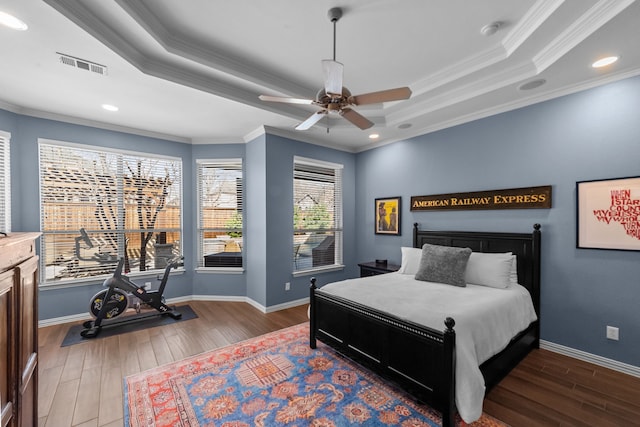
x=420 y=359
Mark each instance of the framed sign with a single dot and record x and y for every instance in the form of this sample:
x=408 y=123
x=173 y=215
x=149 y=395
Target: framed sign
x=387 y=215
x=608 y=213
x=510 y=198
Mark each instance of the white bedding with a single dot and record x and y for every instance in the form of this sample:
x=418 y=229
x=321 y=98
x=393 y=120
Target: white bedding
x=486 y=320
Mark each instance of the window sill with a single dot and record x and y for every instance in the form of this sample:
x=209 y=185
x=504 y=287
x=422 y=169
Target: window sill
x=220 y=270
x=318 y=270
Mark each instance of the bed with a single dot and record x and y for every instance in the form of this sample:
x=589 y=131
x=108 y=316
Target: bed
x=424 y=358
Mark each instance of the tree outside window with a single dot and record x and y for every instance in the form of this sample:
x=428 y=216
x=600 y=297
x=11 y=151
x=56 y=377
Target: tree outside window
x=98 y=206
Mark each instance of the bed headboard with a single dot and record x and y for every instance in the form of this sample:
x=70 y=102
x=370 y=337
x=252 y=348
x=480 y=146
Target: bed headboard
x=526 y=247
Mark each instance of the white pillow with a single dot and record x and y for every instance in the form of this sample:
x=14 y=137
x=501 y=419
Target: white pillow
x=489 y=269
x=513 y=276
x=410 y=260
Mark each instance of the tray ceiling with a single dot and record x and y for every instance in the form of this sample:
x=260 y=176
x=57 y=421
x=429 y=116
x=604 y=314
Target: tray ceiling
x=192 y=71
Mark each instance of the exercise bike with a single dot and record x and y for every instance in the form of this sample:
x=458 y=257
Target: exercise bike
x=122 y=294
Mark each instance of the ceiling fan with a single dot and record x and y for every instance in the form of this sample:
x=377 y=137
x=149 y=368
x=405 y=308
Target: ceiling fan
x=335 y=98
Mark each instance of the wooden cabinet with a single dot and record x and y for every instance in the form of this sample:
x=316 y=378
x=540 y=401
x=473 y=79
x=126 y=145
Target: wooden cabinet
x=373 y=268
x=7 y=362
x=18 y=330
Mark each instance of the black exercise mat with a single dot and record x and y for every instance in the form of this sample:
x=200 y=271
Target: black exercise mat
x=74 y=337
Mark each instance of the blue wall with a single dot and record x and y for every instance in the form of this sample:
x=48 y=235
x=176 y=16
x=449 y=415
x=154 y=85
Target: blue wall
x=268 y=165
x=590 y=135
x=25 y=211
x=279 y=208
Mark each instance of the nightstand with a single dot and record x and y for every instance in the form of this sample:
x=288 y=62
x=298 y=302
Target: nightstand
x=372 y=268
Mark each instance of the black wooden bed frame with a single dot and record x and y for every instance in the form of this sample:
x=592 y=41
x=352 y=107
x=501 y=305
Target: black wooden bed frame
x=420 y=359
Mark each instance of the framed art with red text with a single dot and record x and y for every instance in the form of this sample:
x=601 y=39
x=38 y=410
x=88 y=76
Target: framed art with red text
x=608 y=214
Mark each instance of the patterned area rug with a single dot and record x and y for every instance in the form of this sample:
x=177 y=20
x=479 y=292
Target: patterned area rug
x=272 y=380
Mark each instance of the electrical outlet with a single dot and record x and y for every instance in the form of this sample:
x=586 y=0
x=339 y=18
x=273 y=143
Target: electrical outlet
x=613 y=333
x=147 y=286
x=287 y=286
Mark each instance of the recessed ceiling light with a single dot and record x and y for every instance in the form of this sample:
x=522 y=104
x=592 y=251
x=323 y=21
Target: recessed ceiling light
x=374 y=136
x=532 y=84
x=12 y=22
x=604 y=61
x=110 y=107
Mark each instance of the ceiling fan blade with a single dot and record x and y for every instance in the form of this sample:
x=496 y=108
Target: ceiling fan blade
x=382 y=96
x=285 y=100
x=312 y=120
x=356 y=118
x=332 y=72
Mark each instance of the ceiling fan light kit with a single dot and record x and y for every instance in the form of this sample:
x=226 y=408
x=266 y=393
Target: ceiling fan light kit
x=334 y=98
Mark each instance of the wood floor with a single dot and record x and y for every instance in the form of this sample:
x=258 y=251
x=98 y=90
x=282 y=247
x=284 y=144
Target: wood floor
x=81 y=385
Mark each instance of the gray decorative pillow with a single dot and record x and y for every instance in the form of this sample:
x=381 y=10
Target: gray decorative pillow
x=443 y=264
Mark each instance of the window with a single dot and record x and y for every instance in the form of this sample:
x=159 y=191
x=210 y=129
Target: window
x=220 y=213
x=5 y=183
x=317 y=214
x=98 y=205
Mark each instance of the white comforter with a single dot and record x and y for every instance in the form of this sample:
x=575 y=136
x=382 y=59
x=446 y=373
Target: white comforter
x=486 y=320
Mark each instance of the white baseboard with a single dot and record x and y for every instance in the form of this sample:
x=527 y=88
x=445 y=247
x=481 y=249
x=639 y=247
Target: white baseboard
x=286 y=305
x=591 y=358
x=253 y=303
x=208 y=298
x=63 y=319
x=178 y=300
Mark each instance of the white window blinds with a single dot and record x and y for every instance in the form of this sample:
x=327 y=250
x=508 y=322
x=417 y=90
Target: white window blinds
x=220 y=215
x=98 y=206
x=317 y=214
x=5 y=183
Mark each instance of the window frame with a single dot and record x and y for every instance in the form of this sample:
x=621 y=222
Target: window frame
x=236 y=163
x=338 y=218
x=121 y=230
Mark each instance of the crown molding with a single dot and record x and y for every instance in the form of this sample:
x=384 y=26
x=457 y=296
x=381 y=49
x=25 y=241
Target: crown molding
x=40 y=114
x=462 y=93
x=530 y=22
x=598 y=15
x=510 y=106
x=105 y=126
x=534 y=18
x=210 y=57
x=216 y=141
x=459 y=70
x=304 y=136
x=163 y=68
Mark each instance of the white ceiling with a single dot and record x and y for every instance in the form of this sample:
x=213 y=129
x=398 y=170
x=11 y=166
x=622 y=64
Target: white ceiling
x=192 y=70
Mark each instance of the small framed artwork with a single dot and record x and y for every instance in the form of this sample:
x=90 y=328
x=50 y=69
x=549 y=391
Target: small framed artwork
x=388 y=215
x=608 y=214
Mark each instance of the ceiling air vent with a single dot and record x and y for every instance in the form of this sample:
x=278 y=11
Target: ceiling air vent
x=83 y=64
